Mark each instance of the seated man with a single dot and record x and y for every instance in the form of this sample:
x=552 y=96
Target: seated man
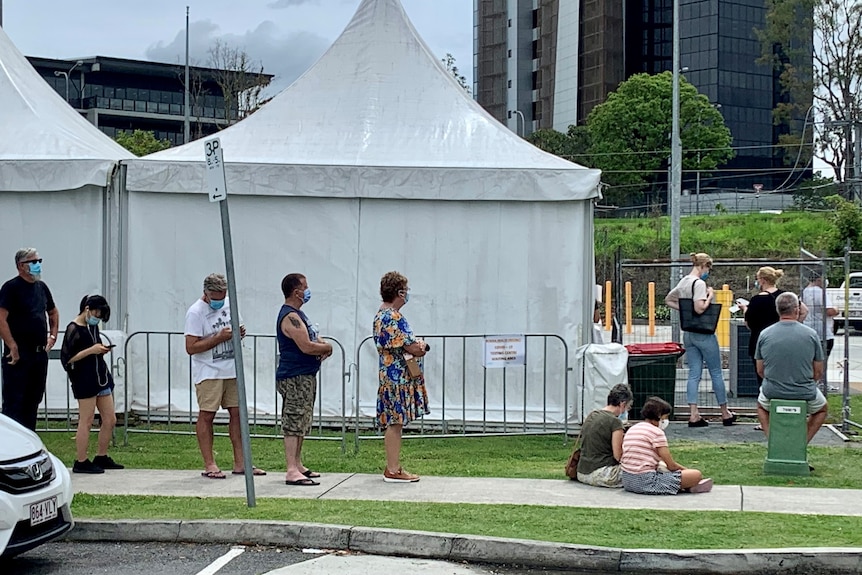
x=790 y=360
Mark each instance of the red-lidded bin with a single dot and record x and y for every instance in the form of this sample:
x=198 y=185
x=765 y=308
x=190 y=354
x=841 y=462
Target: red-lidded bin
x=652 y=371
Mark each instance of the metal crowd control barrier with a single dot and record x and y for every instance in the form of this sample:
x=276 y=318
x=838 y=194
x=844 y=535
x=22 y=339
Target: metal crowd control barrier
x=47 y=413
x=262 y=366
x=444 y=343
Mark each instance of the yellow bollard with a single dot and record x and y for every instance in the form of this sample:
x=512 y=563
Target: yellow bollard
x=608 y=308
x=651 y=308
x=628 y=307
x=724 y=296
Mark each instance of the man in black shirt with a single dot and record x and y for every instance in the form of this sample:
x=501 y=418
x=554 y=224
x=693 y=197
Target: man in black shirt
x=28 y=327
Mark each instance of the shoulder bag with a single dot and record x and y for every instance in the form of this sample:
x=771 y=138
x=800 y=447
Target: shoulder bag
x=690 y=320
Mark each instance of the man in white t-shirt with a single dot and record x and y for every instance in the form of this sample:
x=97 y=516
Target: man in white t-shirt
x=813 y=297
x=208 y=342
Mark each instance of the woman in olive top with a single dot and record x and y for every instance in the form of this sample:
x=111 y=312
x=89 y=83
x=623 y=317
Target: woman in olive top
x=602 y=440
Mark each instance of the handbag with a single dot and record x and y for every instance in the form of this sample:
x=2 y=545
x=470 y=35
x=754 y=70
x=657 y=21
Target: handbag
x=572 y=463
x=690 y=320
x=414 y=370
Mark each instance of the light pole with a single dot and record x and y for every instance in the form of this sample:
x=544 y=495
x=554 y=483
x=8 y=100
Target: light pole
x=676 y=169
x=65 y=75
x=523 y=122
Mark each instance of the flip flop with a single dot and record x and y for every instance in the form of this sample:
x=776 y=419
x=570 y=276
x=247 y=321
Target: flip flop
x=214 y=474
x=254 y=471
x=304 y=482
x=758 y=427
x=311 y=474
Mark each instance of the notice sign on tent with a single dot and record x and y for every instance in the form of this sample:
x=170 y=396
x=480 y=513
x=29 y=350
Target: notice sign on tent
x=215 y=170
x=505 y=350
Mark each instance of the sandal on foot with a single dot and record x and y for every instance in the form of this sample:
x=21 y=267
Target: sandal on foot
x=306 y=482
x=256 y=471
x=730 y=420
x=217 y=474
x=758 y=427
x=311 y=474
x=699 y=423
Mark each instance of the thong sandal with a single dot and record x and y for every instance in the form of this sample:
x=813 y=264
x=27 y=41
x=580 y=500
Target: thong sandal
x=218 y=474
x=305 y=482
x=311 y=474
x=256 y=471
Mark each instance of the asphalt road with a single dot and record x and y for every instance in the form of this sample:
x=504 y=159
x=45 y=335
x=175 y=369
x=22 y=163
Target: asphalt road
x=68 y=558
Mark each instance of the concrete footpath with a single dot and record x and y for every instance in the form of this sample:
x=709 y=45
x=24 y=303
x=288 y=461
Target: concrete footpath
x=454 y=547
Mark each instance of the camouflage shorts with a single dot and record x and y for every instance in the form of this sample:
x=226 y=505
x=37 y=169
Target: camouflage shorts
x=297 y=408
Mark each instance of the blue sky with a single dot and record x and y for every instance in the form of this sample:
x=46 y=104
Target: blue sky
x=287 y=36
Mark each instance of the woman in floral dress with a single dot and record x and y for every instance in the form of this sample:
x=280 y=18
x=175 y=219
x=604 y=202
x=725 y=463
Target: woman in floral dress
x=401 y=398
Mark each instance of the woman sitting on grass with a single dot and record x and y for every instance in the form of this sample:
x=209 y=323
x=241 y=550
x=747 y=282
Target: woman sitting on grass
x=645 y=448
x=602 y=440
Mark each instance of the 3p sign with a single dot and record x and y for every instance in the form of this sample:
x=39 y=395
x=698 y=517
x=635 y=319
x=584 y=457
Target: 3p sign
x=215 y=170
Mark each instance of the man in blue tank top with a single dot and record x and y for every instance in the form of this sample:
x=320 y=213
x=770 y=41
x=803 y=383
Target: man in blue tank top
x=300 y=352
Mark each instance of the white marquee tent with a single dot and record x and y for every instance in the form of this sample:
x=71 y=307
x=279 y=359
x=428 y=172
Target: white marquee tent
x=375 y=159
x=57 y=175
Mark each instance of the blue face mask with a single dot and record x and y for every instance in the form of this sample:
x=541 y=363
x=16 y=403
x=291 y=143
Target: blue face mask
x=216 y=303
x=35 y=268
x=93 y=320
x=306 y=295
x=406 y=296
x=624 y=416
x=756 y=284
x=704 y=276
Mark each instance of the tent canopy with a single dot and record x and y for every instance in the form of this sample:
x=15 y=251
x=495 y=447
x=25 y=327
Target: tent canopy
x=46 y=145
x=378 y=116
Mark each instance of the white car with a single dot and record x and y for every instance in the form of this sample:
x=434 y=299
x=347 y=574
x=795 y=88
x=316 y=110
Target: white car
x=35 y=491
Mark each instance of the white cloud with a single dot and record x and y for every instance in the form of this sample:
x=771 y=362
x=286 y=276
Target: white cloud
x=288 y=3
x=286 y=55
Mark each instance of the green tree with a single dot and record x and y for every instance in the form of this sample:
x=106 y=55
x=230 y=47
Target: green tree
x=833 y=76
x=630 y=134
x=813 y=194
x=141 y=142
x=846 y=224
x=449 y=62
x=573 y=145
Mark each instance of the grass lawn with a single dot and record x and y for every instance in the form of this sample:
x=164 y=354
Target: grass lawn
x=633 y=528
x=531 y=456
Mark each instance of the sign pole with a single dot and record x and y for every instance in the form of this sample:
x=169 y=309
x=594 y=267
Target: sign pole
x=218 y=193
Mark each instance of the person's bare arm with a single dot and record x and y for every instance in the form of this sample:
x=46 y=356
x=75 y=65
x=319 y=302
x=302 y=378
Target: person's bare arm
x=831 y=312
x=617 y=444
x=664 y=455
x=818 y=370
x=759 y=367
x=803 y=312
x=53 y=327
x=6 y=335
x=197 y=344
x=417 y=348
x=95 y=349
x=294 y=328
x=671 y=300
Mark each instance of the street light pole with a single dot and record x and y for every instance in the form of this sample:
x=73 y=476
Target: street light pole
x=65 y=75
x=676 y=167
x=523 y=122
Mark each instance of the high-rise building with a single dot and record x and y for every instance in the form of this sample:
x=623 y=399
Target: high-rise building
x=555 y=60
x=525 y=62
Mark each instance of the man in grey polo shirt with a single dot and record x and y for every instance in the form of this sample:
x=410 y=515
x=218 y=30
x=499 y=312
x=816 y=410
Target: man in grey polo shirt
x=790 y=360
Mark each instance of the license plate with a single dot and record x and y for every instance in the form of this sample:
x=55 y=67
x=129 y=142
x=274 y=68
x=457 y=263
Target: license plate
x=43 y=511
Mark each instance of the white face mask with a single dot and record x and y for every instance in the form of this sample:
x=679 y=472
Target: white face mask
x=663 y=423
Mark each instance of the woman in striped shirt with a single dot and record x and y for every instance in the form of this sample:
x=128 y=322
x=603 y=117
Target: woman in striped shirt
x=645 y=448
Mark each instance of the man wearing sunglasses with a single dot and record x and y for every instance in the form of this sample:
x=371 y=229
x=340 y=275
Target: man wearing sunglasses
x=28 y=327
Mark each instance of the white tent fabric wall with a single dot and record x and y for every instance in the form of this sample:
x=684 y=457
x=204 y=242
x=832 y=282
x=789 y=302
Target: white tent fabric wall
x=55 y=172
x=375 y=159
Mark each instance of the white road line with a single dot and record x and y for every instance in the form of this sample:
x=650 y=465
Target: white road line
x=216 y=565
